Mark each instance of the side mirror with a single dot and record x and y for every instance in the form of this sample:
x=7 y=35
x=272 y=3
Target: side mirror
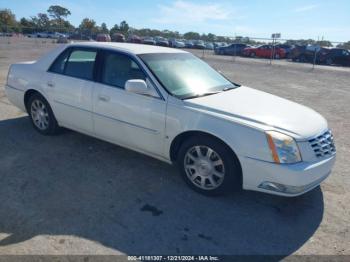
x=138 y=86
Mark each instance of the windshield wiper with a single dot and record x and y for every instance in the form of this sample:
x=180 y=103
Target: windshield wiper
x=200 y=95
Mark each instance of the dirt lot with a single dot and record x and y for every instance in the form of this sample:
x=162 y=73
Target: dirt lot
x=73 y=194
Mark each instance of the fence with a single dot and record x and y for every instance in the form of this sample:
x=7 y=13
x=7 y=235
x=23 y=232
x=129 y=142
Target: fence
x=9 y=36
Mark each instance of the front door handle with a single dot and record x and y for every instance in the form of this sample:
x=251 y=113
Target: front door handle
x=50 y=84
x=104 y=98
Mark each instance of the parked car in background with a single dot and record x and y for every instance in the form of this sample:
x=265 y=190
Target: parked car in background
x=103 y=38
x=148 y=41
x=306 y=53
x=62 y=40
x=176 y=43
x=54 y=35
x=264 y=51
x=209 y=46
x=219 y=44
x=79 y=36
x=117 y=37
x=199 y=44
x=161 y=41
x=232 y=49
x=171 y=105
x=134 y=39
x=336 y=56
x=4 y=34
x=287 y=48
x=42 y=35
x=188 y=44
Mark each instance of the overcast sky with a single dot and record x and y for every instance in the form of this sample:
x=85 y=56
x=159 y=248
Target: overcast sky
x=255 y=18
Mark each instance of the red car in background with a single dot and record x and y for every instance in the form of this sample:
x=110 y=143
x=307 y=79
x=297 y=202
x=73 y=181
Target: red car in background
x=264 y=51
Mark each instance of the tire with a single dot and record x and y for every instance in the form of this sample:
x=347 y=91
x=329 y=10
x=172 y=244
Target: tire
x=302 y=59
x=211 y=172
x=252 y=54
x=329 y=61
x=277 y=56
x=41 y=115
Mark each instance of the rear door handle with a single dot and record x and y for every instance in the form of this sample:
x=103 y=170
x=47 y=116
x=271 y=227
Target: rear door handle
x=104 y=98
x=50 y=84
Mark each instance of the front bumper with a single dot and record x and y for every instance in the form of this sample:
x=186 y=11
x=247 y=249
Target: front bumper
x=285 y=179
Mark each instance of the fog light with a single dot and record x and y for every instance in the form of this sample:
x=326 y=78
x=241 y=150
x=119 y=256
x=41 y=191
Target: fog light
x=273 y=186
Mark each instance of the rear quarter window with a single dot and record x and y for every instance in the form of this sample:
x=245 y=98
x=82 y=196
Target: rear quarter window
x=59 y=64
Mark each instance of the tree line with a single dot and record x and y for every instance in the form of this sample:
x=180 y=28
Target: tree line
x=55 y=19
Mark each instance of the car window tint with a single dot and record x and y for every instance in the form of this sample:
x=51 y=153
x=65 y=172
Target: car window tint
x=58 y=65
x=120 y=68
x=81 y=64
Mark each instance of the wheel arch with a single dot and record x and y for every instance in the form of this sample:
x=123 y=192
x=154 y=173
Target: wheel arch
x=180 y=138
x=29 y=93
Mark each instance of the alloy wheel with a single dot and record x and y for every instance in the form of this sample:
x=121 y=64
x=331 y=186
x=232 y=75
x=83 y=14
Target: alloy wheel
x=39 y=114
x=204 y=167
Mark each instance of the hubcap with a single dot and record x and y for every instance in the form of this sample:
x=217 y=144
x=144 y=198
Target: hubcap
x=204 y=167
x=39 y=115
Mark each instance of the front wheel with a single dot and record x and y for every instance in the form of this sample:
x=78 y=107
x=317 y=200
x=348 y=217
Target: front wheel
x=41 y=115
x=208 y=166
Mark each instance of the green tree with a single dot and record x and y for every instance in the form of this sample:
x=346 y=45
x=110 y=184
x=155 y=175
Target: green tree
x=192 y=36
x=58 y=13
x=124 y=27
x=324 y=43
x=42 y=21
x=104 y=29
x=8 y=21
x=114 y=29
x=345 y=45
x=211 y=37
x=27 y=26
x=88 y=27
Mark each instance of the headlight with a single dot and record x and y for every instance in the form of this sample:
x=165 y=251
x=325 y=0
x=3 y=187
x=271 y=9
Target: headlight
x=283 y=148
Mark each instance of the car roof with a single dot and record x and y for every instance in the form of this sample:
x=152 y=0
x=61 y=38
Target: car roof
x=130 y=48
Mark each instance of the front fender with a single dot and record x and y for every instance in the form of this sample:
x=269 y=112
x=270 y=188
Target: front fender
x=244 y=140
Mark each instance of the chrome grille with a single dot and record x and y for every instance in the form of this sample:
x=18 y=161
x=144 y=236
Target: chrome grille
x=323 y=145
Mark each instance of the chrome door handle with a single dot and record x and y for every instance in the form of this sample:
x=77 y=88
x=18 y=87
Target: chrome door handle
x=103 y=98
x=50 y=84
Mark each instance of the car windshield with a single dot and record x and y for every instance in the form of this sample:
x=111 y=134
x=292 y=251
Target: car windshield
x=186 y=76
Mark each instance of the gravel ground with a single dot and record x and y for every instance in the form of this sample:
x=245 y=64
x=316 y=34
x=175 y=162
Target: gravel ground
x=73 y=194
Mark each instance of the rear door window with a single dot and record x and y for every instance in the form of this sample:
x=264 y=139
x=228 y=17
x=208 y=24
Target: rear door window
x=81 y=64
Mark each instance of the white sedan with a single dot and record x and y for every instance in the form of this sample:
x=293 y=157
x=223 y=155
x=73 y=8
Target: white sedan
x=170 y=105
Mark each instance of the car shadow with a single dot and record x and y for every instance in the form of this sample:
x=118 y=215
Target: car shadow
x=73 y=184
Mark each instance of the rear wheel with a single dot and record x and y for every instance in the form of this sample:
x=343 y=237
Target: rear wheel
x=208 y=166
x=41 y=115
x=252 y=54
x=329 y=61
x=302 y=59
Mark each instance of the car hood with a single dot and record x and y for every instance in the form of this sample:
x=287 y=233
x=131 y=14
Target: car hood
x=262 y=110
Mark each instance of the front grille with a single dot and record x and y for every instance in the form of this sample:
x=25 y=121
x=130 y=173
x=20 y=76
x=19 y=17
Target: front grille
x=323 y=145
